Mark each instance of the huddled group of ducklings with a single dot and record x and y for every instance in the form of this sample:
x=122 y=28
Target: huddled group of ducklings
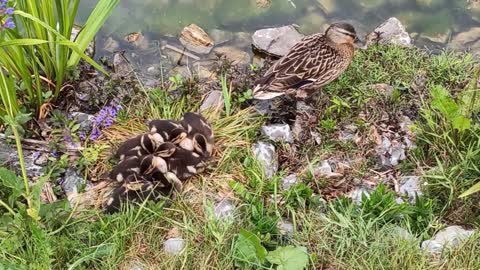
x=154 y=164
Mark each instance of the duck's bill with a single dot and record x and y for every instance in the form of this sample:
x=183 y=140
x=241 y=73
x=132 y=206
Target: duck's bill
x=360 y=44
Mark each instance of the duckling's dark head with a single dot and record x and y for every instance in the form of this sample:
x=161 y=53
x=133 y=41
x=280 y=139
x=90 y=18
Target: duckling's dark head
x=166 y=149
x=342 y=33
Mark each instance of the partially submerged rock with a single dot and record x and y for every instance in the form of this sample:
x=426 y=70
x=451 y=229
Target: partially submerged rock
x=233 y=55
x=276 y=41
x=451 y=237
x=391 y=31
x=469 y=39
x=267 y=157
x=196 y=39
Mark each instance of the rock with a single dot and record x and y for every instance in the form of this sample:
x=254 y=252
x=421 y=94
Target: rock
x=90 y=51
x=243 y=40
x=285 y=227
x=121 y=65
x=233 y=55
x=437 y=37
x=154 y=70
x=390 y=152
x=262 y=3
x=348 y=133
x=289 y=181
x=325 y=170
x=138 y=40
x=278 y=133
x=410 y=186
x=267 y=157
x=9 y=159
x=451 y=237
x=467 y=40
x=174 y=246
x=224 y=209
x=111 y=45
x=403 y=234
x=276 y=41
x=391 y=31
x=220 y=36
x=71 y=184
x=135 y=265
x=357 y=195
x=214 y=101
x=203 y=73
x=85 y=120
x=85 y=91
x=196 y=39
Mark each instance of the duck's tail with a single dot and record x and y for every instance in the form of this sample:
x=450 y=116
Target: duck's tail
x=261 y=92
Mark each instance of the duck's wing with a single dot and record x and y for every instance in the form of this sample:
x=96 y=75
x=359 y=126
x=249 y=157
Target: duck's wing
x=311 y=60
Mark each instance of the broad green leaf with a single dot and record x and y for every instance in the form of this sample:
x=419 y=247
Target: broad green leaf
x=10 y=180
x=474 y=189
x=461 y=123
x=289 y=258
x=249 y=250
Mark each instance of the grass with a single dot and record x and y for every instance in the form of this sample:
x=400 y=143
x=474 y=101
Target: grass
x=337 y=234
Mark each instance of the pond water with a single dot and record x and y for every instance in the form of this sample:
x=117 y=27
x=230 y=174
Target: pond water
x=431 y=23
x=431 y=19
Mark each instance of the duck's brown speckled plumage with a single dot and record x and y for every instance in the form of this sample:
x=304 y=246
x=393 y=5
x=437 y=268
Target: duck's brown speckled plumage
x=313 y=62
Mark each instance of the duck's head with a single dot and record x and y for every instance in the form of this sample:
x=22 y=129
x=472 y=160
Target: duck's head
x=343 y=33
x=166 y=149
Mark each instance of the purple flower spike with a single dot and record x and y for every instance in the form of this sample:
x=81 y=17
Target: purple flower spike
x=9 y=24
x=9 y=11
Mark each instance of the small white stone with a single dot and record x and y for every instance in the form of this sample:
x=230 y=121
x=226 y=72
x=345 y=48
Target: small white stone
x=267 y=157
x=174 y=245
x=278 y=133
x=285 y=227
x=224 y=209
x=289 y=181
x=214 y=101
x=357 y=195
x=410 y=186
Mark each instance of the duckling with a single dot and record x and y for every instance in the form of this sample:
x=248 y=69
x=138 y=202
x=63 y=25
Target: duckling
x=139 y=145
x=315 y=61
x=156 y=169
x=170 y=130
x=127 y=170
x=184 y=164
x=199 y=134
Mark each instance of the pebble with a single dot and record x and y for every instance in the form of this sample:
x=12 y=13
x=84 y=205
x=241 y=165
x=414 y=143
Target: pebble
x=267 y=157
x=410 y=186
x=174 y=245
x=357 y=194
x=278 y=133
x=224 y=209
x=285 y=227
x=289 y=181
